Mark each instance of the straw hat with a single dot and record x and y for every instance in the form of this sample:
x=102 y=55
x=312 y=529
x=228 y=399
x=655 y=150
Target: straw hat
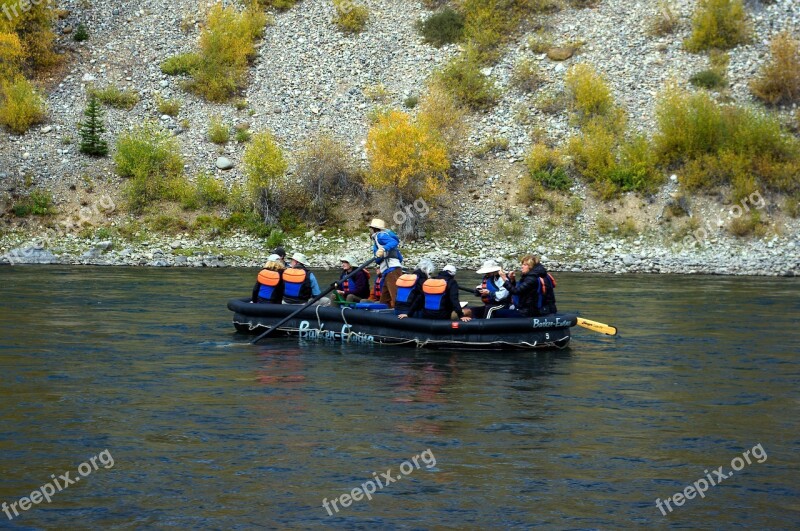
x=377 y=223
x=300 y=257
x=489 y=266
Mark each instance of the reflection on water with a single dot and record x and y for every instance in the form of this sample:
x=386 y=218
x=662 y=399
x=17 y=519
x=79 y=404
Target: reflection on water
x=208 y=431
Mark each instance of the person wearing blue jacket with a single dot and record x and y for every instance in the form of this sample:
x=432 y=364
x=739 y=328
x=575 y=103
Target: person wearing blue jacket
x=385 y=249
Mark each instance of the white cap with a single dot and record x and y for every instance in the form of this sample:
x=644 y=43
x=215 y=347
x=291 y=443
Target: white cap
x=273 y=258
x=450 y=268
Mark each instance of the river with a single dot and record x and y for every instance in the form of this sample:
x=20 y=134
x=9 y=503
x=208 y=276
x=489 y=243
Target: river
x=190 y=426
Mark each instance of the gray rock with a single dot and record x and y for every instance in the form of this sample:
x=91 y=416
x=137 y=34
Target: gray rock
x=30 y=255
x=224 y=163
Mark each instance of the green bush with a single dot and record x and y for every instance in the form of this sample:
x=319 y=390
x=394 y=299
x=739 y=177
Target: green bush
x=170 y=107
x=210 y=190
x=493 y=144
x=20 y=106
x=779 y=80
x=180 y=64
x=38 y=203
x=350 y=17
x=708 y=79
x=280 y=5
x=526 y=76
x=218 y=132
x=150 y=157
x=265 y=167
x=665 y=22
x=114 y=97
x=718 y=24
x=589 y=93
x=464 y=79
x=442 y=28
x=546 y=167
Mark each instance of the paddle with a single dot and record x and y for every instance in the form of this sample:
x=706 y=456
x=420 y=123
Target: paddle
x=597 y=327
x=312 y=301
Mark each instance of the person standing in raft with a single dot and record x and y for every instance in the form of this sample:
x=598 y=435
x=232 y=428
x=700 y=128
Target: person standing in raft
x=300 y=284
x=269 y=285
x=534 y=293
x=410 y=298
x=357 y=287
x=440 y=299
x=385 y=249
x=492 y=291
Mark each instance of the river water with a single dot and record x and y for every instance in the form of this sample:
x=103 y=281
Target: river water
x=142 y=367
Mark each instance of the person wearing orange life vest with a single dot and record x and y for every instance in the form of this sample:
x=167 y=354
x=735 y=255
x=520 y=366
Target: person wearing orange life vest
x=410 y=298
x=300 y=284
x=534 y=293
x=440 y=296
x=356 y=286
x=269 y=285
x=492 y=291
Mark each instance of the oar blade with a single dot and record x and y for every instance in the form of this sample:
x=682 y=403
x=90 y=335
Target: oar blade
x=597 y=327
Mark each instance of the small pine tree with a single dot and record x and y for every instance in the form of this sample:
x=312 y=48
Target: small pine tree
x=92 y=128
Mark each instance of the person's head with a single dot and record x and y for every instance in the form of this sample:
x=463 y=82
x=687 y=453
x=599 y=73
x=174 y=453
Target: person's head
x=376 y=225
x=489 y=268
x=528 y=262
x=299 y=260
x=274 y=263
x=426 y=266
x=347 y=262
x=450 y=268
x=281 y=252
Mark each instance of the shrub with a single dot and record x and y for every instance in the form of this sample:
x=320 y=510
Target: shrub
x=170 y=107
x=546 y=167
x=665 y=22
x=407 y=162
x=210 y=190
x=792 y=206
x=526 y=76
x=265 y=166
x=636 y=169
x=747 y=225
x=442 y=28
x=718 y=24
x=779 y=80
x=463 y=78
x=350 y=17
x=150 y=157
x=12 y=55
x=688 y=125
x=242 y=133
x=180 y=64
x=218 y=132
x=38 y=203
x=589 y=93
x=325 y=172
x=227 y=45
x=411 y=101
x=493 y=144
x=377 y=92
x=91 y=130
x=114 y=97
x=81 y=34
x=20 y=106
x=280 y=5
x=441 y=114
x=540 y=42
x=708 y=79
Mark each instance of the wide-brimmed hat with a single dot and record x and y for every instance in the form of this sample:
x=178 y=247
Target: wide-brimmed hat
x=300 y=257
x=450 y=268
x=377 y=223
x=489 y=266
x=349 y=259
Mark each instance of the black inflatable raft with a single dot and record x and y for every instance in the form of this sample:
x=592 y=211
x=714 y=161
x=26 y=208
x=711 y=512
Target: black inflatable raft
x=349 y=325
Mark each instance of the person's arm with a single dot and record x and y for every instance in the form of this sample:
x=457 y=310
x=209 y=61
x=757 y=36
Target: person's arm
x=256 y=289
x=359 y=283
x=453 y=287
x=314 y=285
x=386 y=242
x=502 y=293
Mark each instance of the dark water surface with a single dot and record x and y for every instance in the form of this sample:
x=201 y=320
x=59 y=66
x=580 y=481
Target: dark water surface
x=207 y=431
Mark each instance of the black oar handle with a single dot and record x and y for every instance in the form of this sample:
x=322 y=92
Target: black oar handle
x=312 y=301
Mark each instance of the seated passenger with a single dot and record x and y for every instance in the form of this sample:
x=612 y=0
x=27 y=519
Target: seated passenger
x=269 y=285
x=355 y=287
x=410 y=298
x=300 y=283
x=534 y=293
x=492 y=291
x=440 y=299
x=375 y=294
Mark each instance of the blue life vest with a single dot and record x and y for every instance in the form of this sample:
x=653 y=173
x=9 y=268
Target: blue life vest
x=297 y=288
x=434 y=290
x=269 y=281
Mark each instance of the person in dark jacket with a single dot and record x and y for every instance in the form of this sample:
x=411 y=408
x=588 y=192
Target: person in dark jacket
x=356 y=286
x=440 y=296
x=534 y=293
x=410 y=297
x=269 y=285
